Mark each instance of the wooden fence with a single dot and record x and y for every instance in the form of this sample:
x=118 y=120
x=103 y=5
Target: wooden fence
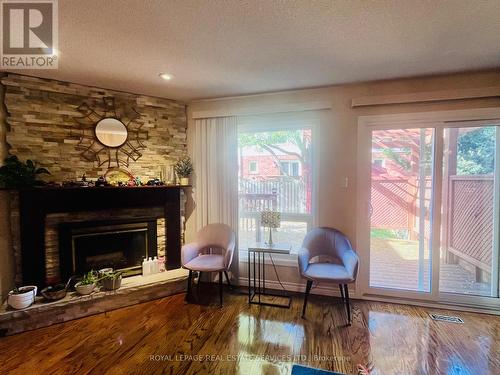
x=470 y=220
x=468 y=214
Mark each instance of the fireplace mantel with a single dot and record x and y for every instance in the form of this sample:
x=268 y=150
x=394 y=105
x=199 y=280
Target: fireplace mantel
x=36 y=203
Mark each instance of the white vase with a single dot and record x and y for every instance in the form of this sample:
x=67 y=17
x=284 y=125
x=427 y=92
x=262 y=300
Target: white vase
x=24 y=299
x=184 y=180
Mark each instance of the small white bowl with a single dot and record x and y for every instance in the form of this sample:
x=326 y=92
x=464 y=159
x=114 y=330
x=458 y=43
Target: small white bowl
x=84 y=289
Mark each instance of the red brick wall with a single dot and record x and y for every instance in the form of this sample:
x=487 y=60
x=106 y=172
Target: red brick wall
x=266 y=165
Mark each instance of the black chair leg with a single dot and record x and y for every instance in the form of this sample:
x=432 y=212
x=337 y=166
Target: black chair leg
x=347 y=304
x=227 y=279
x=198 y=284
x=341 y=292
x=188 y=293
x=220 y=288
x=308 y=289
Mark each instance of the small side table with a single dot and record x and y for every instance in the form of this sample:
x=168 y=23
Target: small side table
x=258 y=276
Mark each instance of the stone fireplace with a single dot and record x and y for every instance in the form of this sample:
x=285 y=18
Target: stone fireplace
x=67 y=231
x=41 y=121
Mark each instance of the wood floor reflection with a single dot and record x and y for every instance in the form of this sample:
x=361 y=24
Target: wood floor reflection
x=168 y=336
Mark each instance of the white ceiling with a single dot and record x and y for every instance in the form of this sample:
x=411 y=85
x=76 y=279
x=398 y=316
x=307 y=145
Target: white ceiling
x=219 y=48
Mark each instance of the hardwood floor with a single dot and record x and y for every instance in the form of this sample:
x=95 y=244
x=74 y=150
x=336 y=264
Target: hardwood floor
x=171 y=337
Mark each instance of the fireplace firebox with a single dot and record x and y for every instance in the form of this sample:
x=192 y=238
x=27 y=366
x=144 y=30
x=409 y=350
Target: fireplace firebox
x=119 y=244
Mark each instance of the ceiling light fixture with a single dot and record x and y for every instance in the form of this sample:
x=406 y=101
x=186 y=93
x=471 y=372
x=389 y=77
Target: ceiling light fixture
x=166 y=76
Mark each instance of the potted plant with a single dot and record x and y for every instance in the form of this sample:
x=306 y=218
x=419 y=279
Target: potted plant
x=184 y=168
x=16 y=174
x=111 y=280
x=88 y=283
x=20 y=298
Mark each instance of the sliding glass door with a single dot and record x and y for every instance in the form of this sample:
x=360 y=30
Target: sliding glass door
x=434 y=211
x=400 y=208
x=468 y=243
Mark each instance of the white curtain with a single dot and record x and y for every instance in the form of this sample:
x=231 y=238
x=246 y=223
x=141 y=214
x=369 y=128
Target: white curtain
x=215 y=159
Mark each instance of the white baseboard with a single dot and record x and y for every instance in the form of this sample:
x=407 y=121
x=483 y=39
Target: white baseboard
x=320 y=289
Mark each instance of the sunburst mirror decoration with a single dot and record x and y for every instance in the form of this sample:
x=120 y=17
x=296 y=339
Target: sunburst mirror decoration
x=106 y=138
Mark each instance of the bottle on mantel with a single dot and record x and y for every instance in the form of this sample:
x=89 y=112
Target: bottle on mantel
x=150 y=266
x=156 y=265
x=161 y=264
x=145 y=267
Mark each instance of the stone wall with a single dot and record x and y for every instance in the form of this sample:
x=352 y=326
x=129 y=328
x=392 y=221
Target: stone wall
x=41 y=126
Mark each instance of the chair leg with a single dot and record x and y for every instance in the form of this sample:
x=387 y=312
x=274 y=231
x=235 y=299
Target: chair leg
x=220 y=288
x=308 y=289
x=347 y=304
x=227 y=279
x=198 y=284
x=188 y=293
x=341 y=292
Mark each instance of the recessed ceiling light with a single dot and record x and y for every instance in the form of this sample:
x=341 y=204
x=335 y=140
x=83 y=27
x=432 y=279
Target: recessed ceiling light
x=166 y=76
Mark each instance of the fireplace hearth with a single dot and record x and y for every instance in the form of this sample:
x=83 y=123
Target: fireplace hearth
x=118 y=244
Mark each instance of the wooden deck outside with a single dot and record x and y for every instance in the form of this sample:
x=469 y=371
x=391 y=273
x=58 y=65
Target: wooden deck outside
x=394 y=264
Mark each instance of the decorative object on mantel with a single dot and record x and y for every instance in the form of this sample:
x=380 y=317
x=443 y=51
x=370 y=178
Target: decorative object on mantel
x=105 y=138
x=88 y=283
x=271 y=220
x=184 y=168
x=56 y=292
x=111 y=280
x=118 y=176
x=154 y=182
x=20 y=298
x=16 y=174
x=101 y=181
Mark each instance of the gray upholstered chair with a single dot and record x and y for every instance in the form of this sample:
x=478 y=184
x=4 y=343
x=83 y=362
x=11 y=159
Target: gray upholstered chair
x=212 y=251
x=327 y=256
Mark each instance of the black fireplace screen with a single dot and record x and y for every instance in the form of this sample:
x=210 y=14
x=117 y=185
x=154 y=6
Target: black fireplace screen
x=121 y=245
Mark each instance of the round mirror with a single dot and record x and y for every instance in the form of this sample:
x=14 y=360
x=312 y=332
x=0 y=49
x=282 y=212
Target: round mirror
x=111 y=132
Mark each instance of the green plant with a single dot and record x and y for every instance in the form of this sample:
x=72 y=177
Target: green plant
x=112 y=275
x=15 y=174
x=184 y=167
x=91 y=277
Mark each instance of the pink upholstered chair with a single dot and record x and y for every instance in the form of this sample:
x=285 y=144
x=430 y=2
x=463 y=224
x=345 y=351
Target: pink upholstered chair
x=212 y=251
x=327 y=256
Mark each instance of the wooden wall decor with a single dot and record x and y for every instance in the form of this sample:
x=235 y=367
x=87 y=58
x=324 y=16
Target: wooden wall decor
x=95 y=151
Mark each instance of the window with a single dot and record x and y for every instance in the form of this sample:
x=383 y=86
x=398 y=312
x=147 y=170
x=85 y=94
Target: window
x=282 y=182
x=253 y=167
x=290 y=168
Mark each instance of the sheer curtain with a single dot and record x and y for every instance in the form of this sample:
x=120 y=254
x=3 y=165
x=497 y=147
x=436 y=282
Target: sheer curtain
x=215 y=160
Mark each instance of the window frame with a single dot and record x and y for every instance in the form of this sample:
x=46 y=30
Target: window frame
x=288 y=121
x=256 y=164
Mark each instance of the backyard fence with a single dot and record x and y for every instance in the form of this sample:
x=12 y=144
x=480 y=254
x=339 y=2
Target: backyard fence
x=470 y=223
x=468 y=213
